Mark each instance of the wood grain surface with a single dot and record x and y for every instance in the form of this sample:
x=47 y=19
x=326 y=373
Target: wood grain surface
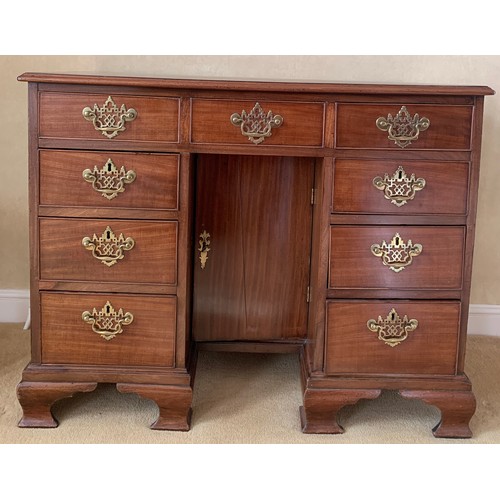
x=258 y=213
x=153 y=259
x=148 y=341
x=445 y=191
x=450 y=126
x=439 y=265
x=155 y=187
x=61 y=116
x=430 y=349
x=302 y=122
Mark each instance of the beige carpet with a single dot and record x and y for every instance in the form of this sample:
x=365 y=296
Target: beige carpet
x=243 y=398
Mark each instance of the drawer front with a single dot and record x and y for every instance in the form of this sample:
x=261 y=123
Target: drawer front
x=359 y=258
x=400 y=187
x=302 y=123
x=142 y=335
x=113 y=250
x=108 y=179
x=154 y=119
x=400 y=337
x=449 y=126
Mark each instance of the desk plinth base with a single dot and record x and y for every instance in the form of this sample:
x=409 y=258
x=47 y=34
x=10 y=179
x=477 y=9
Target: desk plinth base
x=42 y=386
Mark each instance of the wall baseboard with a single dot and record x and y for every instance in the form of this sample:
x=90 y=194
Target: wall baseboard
x=483 y=319
x=14 y=306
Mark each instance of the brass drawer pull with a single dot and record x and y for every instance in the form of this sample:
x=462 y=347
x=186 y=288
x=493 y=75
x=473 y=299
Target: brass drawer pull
x=109 y=180
x=109 y=119
x=256 y=125
x=399 y=188
x=204 y=248
x=108 y=248
x=396 y=254
x=107 y=322
x=393 y=329
x=403 y=128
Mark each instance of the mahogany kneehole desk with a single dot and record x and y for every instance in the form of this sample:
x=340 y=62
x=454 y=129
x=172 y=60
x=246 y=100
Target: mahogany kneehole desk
x=335 y=221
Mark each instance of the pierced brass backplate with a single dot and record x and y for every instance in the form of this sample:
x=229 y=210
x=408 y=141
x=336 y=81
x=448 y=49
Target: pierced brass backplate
x=204 y=248
x=256 y=125
x=109 y=119
x=396 y=254
x=108 y=180
x=393 y=329
x=399 y=188
x=403 y=129
x=108 y=248
x=107 y=322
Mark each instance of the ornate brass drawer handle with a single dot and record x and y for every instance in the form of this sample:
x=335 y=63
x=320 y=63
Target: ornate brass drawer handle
x=109 y=119
x=396 y=254
x=108 y=248
x=256 y=125
x=398 y=188
x=403 y=129
x=204 y=248
x=109 y=180
x=107 y=322
x=393 y=329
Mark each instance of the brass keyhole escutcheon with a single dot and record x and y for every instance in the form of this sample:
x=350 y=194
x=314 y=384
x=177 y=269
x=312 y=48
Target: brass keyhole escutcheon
x=398 y=187
x=204 y=248
x=109 y=180
x=108 y=248
x=393 y=329
x=107 y=322
x=396 y=254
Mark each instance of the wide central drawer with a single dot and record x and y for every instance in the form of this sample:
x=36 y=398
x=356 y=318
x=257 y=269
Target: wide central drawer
x=116 y=329
x=109 y=179
x=285 y=123
x=399 y=337
x=108 y=250
x=407 y=257
x=108 y=117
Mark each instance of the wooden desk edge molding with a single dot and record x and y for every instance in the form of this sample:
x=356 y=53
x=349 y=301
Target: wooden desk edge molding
x=331 y=220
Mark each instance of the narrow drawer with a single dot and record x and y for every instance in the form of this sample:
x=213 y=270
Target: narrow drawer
x=109 y=179
x=118 y=330
x=409 y=257
x=301 y=122
x=449 y=126
x=400 y=187
x=113 y=251
x=400 y=337
x=112 y=117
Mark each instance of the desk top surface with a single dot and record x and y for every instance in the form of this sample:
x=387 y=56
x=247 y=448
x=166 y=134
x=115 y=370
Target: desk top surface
x=260 y=86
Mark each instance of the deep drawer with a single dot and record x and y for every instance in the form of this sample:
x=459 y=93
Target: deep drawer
x=114 y=250
x=449 y=126
x=400 y=187
x=140 y=329
x=123 y=118
x=400 y=337
x=383 y=257
x=108 y=179
x=302 y=123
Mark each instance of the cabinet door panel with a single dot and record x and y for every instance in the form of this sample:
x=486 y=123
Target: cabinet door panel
x=257 y=211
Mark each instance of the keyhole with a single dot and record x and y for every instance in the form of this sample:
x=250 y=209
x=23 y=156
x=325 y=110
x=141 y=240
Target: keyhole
x=107 y=309
x=109 y=167
x=400 y=175
x=392 y=317
x=397 y=241
x=108 y=235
